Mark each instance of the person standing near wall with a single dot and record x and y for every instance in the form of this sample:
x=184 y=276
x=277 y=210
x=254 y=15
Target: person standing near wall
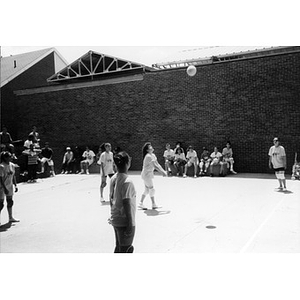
x=7 y=183
x=106 y=162
x=150 y=163
x=277 y=162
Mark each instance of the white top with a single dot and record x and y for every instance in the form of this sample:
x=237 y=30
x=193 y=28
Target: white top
x=121 y=187
x=107 y=160
x=169 y=154
x=217 y=155
x=89 y=156
x=191 y=156
x=7 y=172
x=277 y=154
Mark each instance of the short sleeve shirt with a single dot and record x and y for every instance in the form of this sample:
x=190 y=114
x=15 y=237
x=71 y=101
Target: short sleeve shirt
x=169 y=153
x=7 y=172
x=149 y=165
x=191 y=155
x=89 y=156
x=277 y=154
x=121 y=187
x=107 y=159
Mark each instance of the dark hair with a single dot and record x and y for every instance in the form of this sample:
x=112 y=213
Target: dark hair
x=228 y=142
x=121 y=159
x=177 y=149
x=145 y=149
x=4 y=154
x=102 y=147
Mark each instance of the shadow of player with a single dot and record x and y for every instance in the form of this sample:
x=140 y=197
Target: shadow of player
x=155 y=212
x=6 y=226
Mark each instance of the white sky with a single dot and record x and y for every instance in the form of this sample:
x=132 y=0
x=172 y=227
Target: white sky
x=146 y=55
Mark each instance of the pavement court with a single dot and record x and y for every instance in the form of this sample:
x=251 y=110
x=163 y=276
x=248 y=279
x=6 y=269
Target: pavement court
x=240 y=213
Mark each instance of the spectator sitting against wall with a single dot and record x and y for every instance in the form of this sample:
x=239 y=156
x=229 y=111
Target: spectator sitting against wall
x=68 y=160
x=192 y=160
x=204 y=161
x=46 y=155
x=88 y=158
x=179 y=160
x=228 y=157
x=169 y=157
x=32 y=162
x=216 y=159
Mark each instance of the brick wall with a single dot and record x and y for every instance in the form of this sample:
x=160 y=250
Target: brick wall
x=247 y=102
x=33 y=77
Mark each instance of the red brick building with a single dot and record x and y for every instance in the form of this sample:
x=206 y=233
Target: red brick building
x=247 y=98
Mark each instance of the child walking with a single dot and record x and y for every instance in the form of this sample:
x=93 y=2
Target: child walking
x=123 y=204
x=150 y=163
x=7 y=183
x=32 y=162
x=106 y=162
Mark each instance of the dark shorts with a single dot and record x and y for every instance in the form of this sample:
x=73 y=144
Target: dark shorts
x=279 y=169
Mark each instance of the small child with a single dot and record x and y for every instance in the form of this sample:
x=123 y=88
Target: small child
x=106 y=162
x=7 y=181
x=123 y=204
x=32 y=162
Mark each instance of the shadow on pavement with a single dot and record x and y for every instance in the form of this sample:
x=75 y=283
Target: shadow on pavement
x=154 y=212
x=5 y=226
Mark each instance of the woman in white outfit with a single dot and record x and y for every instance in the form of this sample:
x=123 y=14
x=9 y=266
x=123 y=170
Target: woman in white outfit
x=150 y=163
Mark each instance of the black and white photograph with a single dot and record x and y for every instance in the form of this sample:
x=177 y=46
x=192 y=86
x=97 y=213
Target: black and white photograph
x=183 y=152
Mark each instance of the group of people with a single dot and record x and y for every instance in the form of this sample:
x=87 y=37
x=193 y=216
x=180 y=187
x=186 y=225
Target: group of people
x=181 y=162
x=122 y=194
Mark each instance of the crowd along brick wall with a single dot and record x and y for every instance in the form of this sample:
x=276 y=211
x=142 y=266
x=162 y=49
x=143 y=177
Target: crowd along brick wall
x=247 y=102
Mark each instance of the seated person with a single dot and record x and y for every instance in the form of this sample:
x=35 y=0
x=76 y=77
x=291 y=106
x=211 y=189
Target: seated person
x=179 y=160
x=88 y=158
x=191 y=157
x=228 y=157
x=46 y=154
x=204 y=161
x=68 y=160
x=169 y=158
x=216 y=159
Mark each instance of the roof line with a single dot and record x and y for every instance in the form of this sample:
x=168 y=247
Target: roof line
x=50 y=50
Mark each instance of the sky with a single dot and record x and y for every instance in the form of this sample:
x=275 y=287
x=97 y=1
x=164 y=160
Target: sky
x=146 y=55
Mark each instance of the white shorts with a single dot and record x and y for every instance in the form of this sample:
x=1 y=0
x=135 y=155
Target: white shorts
x=48 y=160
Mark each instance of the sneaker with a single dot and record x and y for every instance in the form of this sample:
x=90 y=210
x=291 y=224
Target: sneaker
x=87 y=172
x=195 y=176
x=184 y=175
x=141 y=205
x=156 y=207
x=233 y=172
x=280 y=188
x=82 y=172
x=13 y=220
x=62 y=172
x=102 y=199
x=284 y=189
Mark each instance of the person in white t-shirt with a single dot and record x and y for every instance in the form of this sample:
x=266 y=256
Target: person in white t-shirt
x=277 y=162
x=150 y=163
x=169 y=157
x=7 y=183
x=88 y=156
x=227 y=154
x=106 y=162
x=216 y=159
x=122 y=198
x=192 y=159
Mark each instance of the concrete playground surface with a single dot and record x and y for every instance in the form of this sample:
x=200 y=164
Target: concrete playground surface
x=241 y=213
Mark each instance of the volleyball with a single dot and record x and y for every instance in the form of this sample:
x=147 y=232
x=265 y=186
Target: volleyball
x=191 y=70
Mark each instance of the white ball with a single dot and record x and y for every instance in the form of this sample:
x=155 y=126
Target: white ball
x=191 y=70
